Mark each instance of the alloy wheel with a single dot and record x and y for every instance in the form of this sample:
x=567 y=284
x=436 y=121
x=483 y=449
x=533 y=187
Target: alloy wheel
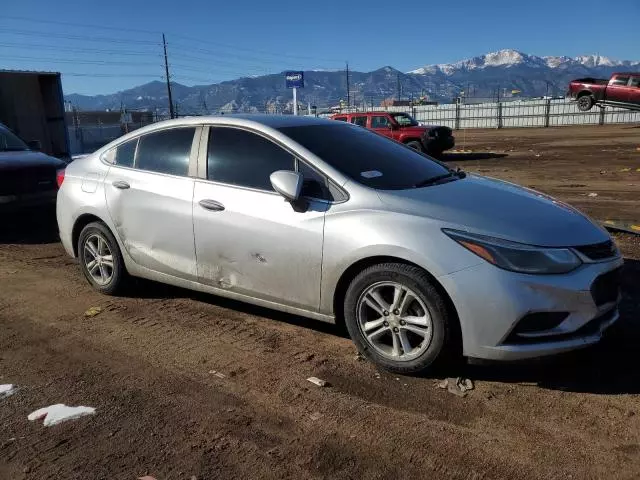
x=98 y=259
x=394 y=321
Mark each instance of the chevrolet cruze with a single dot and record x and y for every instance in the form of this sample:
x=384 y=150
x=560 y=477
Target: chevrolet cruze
x=327 y=220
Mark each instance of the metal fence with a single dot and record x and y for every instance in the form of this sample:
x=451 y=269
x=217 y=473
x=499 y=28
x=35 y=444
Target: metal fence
x=524 y=113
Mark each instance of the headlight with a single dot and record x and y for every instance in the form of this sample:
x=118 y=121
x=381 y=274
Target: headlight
x=517 y=257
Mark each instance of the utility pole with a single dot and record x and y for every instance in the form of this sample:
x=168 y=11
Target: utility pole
x=348 y=89
x=166 y=71
x=398 y=86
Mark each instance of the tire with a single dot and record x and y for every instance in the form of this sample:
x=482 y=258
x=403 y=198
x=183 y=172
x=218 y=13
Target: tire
x=585 y=103
x=95 y=233
x=380 y=281
x=415 y=144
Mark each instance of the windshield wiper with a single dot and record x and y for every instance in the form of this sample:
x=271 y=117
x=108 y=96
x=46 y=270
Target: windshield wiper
x=439 y=178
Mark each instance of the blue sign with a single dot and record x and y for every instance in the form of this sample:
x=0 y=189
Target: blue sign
x=294 y=79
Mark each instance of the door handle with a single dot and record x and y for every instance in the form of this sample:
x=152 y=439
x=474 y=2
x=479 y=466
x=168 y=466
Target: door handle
x=211 y=205
x=122 y=185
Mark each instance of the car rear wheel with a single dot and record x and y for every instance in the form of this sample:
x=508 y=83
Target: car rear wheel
x=585 y=103
x=397 y=318
x=415 y=144
x=100 y=259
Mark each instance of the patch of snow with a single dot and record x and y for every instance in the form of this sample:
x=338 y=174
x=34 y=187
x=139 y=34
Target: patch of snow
x=596 y=61
x=7 y=390
x=139 y=97
x=59 y=412
x=503 y=57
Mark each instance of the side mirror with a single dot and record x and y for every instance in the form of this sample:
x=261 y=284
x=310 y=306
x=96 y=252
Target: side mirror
x=287 y=183
x=34 y=145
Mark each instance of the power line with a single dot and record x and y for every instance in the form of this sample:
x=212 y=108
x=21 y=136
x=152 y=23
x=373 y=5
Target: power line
x=84 y=62
x=77 y=50
x=172 y=34
x=77 y=37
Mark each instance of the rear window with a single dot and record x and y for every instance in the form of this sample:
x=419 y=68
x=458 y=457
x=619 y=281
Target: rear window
x=366 y=157
x=359 y=120
x=342 y=119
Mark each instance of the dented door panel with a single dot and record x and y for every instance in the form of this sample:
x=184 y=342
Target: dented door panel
x=153 y=219
x=258 y=245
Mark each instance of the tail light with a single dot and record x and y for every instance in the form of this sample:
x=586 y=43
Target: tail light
x=60 y=177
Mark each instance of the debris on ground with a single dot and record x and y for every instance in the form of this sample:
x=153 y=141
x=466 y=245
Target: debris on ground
x=359 y=357
x=625 y=169
x=59 y=413
x=458 y=386
x=592 y=194
x=315 y=416
x=146 y=477
x=7 y=390
x=93 y=311
x=217 y=374
x=602 y=172
x=318 y=382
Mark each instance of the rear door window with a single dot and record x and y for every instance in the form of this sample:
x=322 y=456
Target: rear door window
x=166 y=151
x=360 y=120
x=635 y=81
x=342 y=119
x=380 y=121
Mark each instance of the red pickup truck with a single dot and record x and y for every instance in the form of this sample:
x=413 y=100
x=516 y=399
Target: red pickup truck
x=403 y=128
x=621 y=90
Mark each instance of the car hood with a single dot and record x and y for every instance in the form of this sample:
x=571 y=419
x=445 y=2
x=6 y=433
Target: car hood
x=500 y=209
x=28 y=158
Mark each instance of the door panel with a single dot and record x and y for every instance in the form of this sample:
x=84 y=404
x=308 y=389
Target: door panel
x=634 y=91
x=153 y=218
x=618 y=93
x=255 y=243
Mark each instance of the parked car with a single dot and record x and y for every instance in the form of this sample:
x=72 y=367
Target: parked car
x=621 y=90
x=327 y=220
x=403 y=128
x=27 y=176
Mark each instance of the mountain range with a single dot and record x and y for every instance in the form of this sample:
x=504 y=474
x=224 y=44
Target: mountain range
x=505 y=73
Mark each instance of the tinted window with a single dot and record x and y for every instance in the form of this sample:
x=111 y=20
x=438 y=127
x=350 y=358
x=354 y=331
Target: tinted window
x=365 y=156
x=244 y=158
x=315 y=184
x=125 y=153
x=166 y=151
x=360 y=120
x=342 y=119
x=379 y=122
x=620 y=80
x=635 y=81
x=10 y=142
x=404 y=120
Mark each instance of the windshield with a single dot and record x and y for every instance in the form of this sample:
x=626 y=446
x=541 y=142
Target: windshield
x=366 y=157
x=404 y=120
x=9 y=142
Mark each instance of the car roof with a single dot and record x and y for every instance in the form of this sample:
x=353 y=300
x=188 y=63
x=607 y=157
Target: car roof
x=273 y=121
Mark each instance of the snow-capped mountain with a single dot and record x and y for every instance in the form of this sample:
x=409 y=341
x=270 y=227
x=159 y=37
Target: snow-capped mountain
x=480 y=78
x=511 y=58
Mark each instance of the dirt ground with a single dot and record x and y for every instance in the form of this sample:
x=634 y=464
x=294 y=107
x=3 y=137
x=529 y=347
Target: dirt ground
x=146 y=361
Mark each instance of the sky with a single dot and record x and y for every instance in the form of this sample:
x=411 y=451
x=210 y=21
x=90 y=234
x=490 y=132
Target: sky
x=103 y=47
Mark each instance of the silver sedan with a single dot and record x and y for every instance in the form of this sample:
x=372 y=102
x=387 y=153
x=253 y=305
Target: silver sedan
x=330 y=221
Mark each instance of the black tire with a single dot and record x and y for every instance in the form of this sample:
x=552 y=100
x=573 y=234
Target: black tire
x=420 y=283
x=415 y=144
x=119 y=275
x=585 y=103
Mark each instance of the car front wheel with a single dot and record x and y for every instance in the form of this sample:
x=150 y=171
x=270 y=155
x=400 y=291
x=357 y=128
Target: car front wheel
x=100 y=259
x=397 y=318
x=585 y=103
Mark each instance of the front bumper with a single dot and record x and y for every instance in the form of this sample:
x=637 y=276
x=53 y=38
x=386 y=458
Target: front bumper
x=491 y=302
